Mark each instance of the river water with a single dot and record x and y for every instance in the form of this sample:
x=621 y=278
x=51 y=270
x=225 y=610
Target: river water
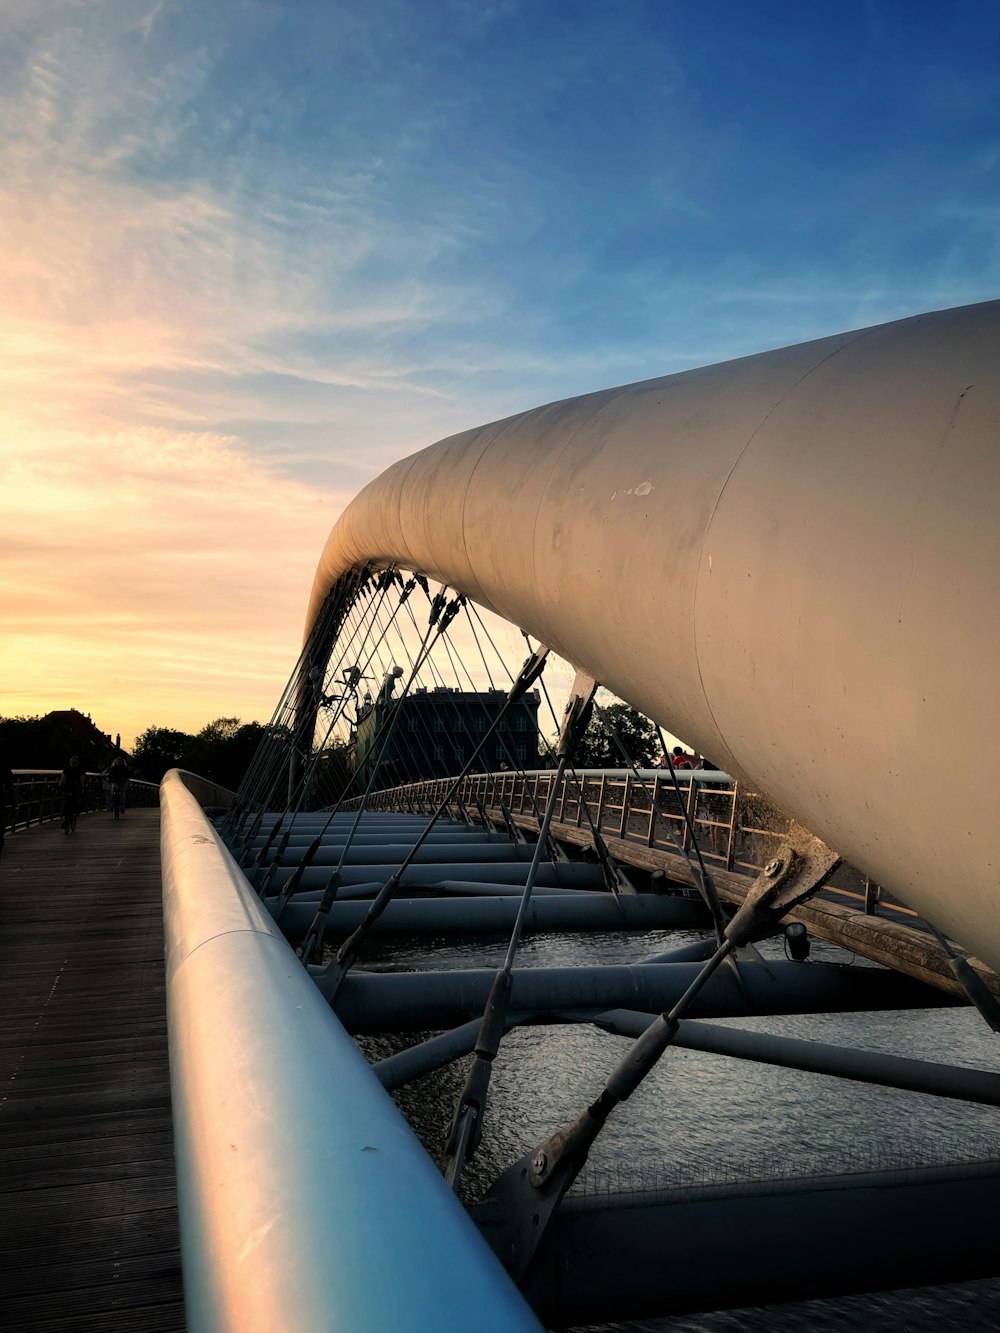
x=700 y=1117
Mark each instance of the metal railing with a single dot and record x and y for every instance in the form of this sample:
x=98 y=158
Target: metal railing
x=286 y=1143
x=38 y=796
x=737 y=829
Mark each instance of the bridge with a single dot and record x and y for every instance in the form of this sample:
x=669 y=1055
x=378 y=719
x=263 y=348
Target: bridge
x=789 y=561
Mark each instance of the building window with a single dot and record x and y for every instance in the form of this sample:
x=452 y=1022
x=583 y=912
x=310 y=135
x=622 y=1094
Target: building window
x=439 y=752
x=479 y=723
x=411 y=723
x=459 y=723
x=438 y=722
x=522 y=753
x=520 y=722
x=460 y=753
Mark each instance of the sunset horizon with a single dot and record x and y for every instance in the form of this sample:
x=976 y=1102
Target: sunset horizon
x=256 y=253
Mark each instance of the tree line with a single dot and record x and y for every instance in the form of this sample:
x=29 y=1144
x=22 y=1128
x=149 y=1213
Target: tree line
x=224 y=748
x=221 y=750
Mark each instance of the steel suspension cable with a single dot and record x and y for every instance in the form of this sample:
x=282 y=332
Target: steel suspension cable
x=379 y=743
x=467 y=1125
x=509 y=754
x=387 y=580
x=348 y=951
x=442 y=614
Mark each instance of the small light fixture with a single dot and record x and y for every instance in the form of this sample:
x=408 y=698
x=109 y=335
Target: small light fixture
x=797 y=941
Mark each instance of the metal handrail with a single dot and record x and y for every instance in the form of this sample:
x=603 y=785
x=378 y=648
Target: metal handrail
x=38 y=796
x=736 y=828
x=298 y=1179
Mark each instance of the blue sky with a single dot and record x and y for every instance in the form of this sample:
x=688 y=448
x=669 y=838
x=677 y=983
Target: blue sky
x=297 y=241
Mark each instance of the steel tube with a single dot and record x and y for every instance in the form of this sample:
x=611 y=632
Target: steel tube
x=477 y=916
x=427 y=1001
x=565 y=874
x=298 y=1179
x=448 y=888
x=816 y=525
x=459 y=854
x=469 y=888
x=816 y=1057
x=621 y=1257
x=337 y=839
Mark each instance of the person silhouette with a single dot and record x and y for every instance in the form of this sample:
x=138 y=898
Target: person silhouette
x=71 y=783
x=8 y=798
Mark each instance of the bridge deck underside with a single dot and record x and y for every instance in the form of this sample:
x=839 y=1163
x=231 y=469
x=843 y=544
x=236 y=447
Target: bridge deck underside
x=88 y=1214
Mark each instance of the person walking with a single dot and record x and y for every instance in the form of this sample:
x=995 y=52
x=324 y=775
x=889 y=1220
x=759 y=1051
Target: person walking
x=7 y=799
x=118 y=778
x=71 y=783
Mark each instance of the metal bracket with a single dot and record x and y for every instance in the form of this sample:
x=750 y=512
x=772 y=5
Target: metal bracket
x=529 y=673
x=513 y=832
x=450 y=612
x=577 y=714
x=484 y=818
x=615 y=877
x=524 y=1198
x=800 y=867
x=521 y=1202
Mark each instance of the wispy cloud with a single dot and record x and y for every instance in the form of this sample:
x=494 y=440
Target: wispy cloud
x=254 y=251
x=144 y=571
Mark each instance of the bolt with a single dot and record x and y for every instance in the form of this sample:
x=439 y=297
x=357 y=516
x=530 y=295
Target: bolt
x=772 y=868
x=540 y=1162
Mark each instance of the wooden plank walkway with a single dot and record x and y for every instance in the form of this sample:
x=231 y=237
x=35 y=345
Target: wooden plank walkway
x=88 y=1209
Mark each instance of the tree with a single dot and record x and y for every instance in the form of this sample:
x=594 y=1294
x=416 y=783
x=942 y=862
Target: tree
x=332 y=775
x=599 y=749
x=161 y=748
x=224 y=749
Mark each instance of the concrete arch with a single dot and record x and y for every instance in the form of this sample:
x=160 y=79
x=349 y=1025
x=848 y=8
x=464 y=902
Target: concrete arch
x=792 y=560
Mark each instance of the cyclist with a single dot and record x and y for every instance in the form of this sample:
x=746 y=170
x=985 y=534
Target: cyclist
x=118 y=778
x=71 y=783
x=7 y=798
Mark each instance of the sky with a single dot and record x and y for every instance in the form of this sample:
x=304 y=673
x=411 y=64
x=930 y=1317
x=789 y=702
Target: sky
x=252 y=252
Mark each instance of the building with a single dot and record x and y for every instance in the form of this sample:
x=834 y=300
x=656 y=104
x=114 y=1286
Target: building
x=92 y=744
x=437 y=731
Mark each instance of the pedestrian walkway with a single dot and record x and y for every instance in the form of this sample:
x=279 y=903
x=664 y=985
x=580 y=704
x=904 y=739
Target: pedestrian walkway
x=88 y=1213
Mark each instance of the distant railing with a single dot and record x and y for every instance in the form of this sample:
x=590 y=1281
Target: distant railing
x=737 y=829
x=38 y=796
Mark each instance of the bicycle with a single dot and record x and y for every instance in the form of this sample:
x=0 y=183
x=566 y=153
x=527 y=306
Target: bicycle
x=118 y=800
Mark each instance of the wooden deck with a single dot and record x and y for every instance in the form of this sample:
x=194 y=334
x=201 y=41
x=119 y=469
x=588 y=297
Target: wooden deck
x=88 y=1211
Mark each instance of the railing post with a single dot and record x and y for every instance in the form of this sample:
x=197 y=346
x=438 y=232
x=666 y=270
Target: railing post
x=653 y=802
